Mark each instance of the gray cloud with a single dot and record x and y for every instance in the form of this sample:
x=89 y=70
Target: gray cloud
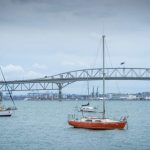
x=65 y=34
x=38 y=11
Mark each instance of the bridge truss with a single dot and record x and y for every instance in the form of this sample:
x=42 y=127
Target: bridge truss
x=59 y=81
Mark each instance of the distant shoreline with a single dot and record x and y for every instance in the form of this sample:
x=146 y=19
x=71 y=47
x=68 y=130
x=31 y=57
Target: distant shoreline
x=79 y=100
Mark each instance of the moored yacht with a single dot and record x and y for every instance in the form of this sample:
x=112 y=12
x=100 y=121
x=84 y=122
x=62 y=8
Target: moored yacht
x=4 y=112
x=98 y=123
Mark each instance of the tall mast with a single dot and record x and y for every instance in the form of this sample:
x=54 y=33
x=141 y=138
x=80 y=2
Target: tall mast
x=103 y=37
x=88 y=88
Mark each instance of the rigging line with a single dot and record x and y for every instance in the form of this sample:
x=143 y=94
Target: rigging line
x=88 y=90
x=7 y=87
x=96 y=57
x=118 y=88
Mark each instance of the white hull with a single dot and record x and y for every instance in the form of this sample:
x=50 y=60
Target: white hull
x=5 y=113
x=87 y=109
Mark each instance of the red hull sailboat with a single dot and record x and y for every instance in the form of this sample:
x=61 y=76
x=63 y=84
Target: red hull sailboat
x=98 y=123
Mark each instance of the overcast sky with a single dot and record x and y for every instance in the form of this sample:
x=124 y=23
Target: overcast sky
x=44 y=37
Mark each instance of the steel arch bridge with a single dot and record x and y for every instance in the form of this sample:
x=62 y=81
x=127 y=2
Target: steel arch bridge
x=59 y=81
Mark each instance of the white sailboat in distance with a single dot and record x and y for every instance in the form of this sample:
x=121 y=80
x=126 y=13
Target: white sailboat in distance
x=6 y=111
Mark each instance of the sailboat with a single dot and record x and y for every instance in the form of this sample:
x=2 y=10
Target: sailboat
x=87 y=107
x=98 y=123
x=6 y=111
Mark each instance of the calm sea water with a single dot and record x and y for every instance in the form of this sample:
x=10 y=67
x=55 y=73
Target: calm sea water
x=42 y=125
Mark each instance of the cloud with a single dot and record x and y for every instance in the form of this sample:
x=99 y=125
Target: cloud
x=32 y=75
x=13 y=68
x=66 y=14
x=64 y=35
x=74 y=63
x=38 y=66
x=17 y=72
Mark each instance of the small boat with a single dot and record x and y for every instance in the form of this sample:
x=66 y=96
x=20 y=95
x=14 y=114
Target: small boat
x=5 y=112
x=98 y=123
x=87 y=108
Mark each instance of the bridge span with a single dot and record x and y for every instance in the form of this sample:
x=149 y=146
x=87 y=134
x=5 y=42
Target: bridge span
x=59 y=81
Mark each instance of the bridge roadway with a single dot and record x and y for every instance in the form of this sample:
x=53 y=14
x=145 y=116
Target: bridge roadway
x=59 y=81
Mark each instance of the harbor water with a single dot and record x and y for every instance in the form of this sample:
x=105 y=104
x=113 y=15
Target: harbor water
x=42 y=125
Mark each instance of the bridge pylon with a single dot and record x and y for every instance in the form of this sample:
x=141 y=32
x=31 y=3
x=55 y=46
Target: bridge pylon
x=60 y=90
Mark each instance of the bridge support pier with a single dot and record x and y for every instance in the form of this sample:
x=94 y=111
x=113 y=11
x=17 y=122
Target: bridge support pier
x=60 y=91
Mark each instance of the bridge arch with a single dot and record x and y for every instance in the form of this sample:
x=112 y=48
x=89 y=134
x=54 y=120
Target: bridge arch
x=59 y=81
